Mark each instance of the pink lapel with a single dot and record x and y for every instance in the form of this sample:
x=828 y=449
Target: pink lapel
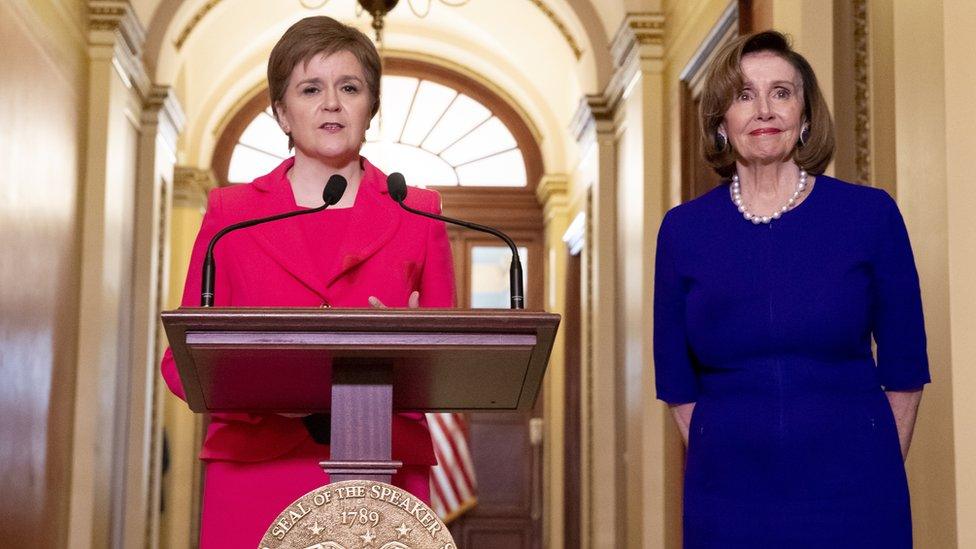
x=283 y=240
x=373 y=223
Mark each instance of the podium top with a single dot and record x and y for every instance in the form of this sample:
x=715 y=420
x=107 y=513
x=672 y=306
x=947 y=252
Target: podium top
x=266 y=360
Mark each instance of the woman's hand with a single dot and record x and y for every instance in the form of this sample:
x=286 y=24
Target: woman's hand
x=413 y=301
x=682 y=416
x=904 y=406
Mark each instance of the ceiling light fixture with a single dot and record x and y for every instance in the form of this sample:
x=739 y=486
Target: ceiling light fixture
x=378 y=9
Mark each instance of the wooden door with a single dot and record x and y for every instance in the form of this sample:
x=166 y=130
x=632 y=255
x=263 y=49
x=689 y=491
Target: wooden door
x=572 y=427
x=697 y=177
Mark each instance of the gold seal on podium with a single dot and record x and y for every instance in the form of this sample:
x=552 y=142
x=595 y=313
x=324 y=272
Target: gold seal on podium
x=358 y=514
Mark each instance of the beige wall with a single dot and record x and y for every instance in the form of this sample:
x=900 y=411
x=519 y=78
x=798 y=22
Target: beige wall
x=42 y=102
x=920 y=188
x=811 y=25
x=959 y=21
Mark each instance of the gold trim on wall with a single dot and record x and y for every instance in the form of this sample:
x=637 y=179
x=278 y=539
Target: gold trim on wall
x=640 y=36
x=151 y=534
x=191 y=185
x=552 y=193
x=862 y=97
x=639 y=29
x=560 y=26
x=194 y=21
x=587 y=383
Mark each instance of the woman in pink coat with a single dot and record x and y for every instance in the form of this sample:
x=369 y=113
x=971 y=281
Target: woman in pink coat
x=324 y=80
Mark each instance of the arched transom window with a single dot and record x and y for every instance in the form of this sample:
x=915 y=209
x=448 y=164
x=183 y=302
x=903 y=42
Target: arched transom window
x=433 y=133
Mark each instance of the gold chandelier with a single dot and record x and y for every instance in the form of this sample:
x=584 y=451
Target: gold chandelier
x=378 y=9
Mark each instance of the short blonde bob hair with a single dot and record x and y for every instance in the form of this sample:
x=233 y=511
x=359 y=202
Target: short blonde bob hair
x=321 y=35
x=723 y=82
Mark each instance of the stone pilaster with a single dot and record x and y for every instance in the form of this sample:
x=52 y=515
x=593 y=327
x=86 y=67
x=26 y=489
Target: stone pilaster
x=162 y=121
x=191 y=185
x=113 y=27
x=621 y=136
x=108 y=453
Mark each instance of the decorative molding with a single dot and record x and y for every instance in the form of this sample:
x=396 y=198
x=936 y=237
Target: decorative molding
x=862 y=97
x=588 y=384
x=553 y=194
x=593 y=114
x=561 y=27
x=193 y=22
x=641 y=33
x=582 y=123
x=106 y=14
x=163 y=109
x=191 y=185
x=113 y=23
x=116 y=16
x=639 y=39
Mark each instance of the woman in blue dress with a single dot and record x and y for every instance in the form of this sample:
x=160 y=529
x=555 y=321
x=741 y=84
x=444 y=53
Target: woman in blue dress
x=768 y=292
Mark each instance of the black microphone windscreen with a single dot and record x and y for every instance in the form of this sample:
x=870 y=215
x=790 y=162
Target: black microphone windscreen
x=334 y=189
x=397 y=186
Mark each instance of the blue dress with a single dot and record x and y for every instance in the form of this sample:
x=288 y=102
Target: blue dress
x=768 y=329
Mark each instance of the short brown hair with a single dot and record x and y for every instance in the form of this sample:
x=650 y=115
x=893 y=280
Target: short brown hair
x=321 y=35
x=723 y=82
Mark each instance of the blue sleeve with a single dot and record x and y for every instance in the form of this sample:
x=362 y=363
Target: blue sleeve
x=673 y=371
x=897 y=322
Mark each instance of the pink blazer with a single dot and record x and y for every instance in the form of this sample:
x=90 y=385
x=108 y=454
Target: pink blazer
x=386 y=252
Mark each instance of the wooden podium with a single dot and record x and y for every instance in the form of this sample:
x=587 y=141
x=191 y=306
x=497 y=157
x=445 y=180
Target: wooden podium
x=360 y=365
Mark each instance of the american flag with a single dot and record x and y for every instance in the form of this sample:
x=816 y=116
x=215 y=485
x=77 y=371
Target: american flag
x=453 y=489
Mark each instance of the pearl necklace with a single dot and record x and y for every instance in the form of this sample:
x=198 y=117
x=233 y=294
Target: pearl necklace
x=757 y=219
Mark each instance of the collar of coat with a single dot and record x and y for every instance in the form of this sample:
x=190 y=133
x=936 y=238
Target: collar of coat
x=373 y=223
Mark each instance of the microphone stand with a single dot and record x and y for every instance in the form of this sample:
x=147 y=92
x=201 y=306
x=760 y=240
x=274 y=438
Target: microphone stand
x=398 y=191
x=334 y=189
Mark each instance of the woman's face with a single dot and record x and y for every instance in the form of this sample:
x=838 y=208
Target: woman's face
x=326 y=107
x=765 y=118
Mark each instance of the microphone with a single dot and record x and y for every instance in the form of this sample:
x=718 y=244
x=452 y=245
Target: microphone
x=334 y=189
x=396 y=185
